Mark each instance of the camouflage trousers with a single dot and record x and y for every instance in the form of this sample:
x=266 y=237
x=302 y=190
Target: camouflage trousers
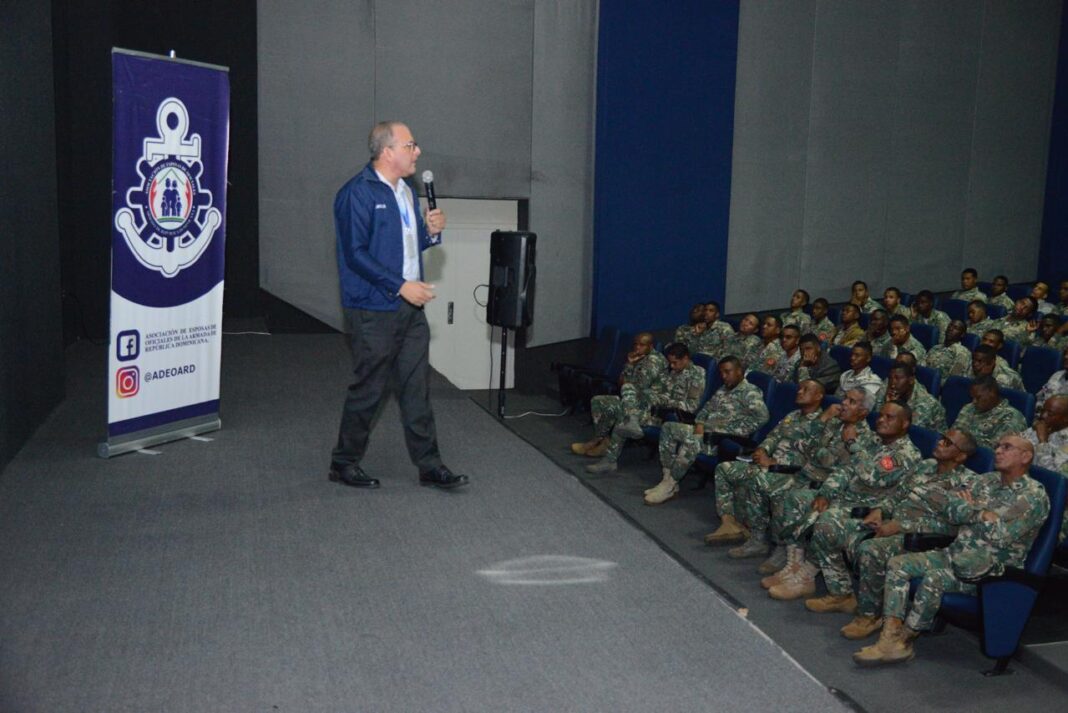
x=764 y=498
x=609 y=410
x=834 y=534
x=679 y=448
x=734 y=479
x=870 y=557
x=938 y=578
x=797 y=514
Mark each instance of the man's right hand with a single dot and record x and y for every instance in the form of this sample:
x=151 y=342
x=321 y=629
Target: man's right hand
x=416 y=292
x=831 y=412
x=820 y=504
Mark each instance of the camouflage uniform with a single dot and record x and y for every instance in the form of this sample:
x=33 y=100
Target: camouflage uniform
x=791 y=509
x=1005 y=375
x=912 y=346
x=824 y=329
x=970 y=295
x=918 y=505
x=1061 y=310
x=981 y=549
x=792 y=442
x=768 y=357
x=982 y=327
x=1002 y=300
x=1057 y=385
x=744 y=346
x=938 y=319
x=711 y=340
x=954 y=360
x=868 y=481
x=1053 y=454
x=882 y=345
x=866 y=379
x=988 y=427
x=799 y=319
x=927 y=411
x=901 y=310
x=849 y=337
x=1013 y=328
x=685 y=334
x=784 y=368
x=739 y=411
x=1057 y=341
x=869 y=306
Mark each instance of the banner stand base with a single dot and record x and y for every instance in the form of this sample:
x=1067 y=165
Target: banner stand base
x=166 y=433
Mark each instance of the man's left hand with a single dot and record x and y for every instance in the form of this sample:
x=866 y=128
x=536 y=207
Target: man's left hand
x=435 y=221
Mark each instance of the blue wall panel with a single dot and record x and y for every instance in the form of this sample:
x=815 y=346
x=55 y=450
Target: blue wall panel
x=1053 y=253
x=665 y=127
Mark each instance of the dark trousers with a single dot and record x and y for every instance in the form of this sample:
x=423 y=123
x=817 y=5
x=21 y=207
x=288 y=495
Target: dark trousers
x=388 y=345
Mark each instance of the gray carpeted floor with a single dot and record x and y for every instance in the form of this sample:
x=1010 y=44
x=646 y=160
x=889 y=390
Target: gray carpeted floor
x=944 y=675
x=229 y=575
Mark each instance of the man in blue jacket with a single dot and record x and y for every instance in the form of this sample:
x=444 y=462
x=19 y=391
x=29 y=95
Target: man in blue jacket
x=380 y=239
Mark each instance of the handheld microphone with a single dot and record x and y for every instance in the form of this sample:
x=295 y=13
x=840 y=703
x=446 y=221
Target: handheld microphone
x=428 y=183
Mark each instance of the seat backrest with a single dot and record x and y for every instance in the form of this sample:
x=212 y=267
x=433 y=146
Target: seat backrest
x=982 y=461
x=995 y=311
x=930 y=378
x=841 y=355
x=971 y=341
x=864 y=319
x=873 y=419
x=783 y=397
x=956 y=392
x=834 y=314
x=828 y=400
x=907 y=298
x=1039 y=363
x=1041 y=554
x=926 y=334
x=881 y=366
x=702 y=359
x=733 y=321
x=762 y=381
x=924 y=439
x=1022 y=402
x=1018 y=291
x=984 y=287
x=1010 y=351
x=712 y=381
x=956 y=309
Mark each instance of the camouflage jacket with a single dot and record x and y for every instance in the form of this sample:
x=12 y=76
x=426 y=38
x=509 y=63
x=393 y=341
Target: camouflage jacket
x=784 y=368
x=711 y=340
x=1060 y=309
x=882 y=345
x=1002 y=300
x=919 y=502
x=872 y=475
x=1005 y=375
x=824 y=329
x=912 y=346
x=739 y=411
x=744 y=346
x=798 y=319
x=927 y=411
x=900 y=309
x=645 y=372
x=987 y=428
x=1053 y=454
x=829 y=451
x=954 y=360
x=969 y=295
x=768 y=357
x=1012 y=328
x=849 y=336
x=982 y=326
x=685 y=334
x=1057 y=341
x=682 y=390
x=869 y=306
x=987 y=548
x=938 y=319
x=1056 y=386
x=866 y=379
x=792 y=438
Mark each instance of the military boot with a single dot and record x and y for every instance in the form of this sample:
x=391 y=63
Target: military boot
x=664 y=474
x=862 y=626
x=844 y=603
x=775 y=562
x=755 y=546
x=797 y=583
x=894 y=645
x=729 y=530
x=598 y=449
x=630 y=428
x=605 y=465
x=664 y=491
x=580 y=449
x=794 y=557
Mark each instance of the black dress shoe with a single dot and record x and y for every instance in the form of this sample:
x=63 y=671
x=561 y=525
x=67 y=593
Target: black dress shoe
x=352 y=475
x=442 y=477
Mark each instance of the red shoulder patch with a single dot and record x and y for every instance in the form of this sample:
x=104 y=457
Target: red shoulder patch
x=887 y=463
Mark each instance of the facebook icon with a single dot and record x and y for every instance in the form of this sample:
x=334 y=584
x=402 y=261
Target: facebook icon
x=128 y=345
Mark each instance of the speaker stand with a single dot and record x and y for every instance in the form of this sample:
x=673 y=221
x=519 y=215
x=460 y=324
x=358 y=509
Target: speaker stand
x=504 y=361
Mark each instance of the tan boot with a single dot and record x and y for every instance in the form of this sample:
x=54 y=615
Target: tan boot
x=894 y=646
x=862 y=626
x=664 y=473
x=775 y=562
x=844 y=603
x=580 y=449
x=729 y=530
x=800 y=582
x=794 y=556
x=598 y=449
x=664 y=491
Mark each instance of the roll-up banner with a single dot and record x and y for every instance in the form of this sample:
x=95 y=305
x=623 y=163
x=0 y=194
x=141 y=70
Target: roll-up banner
x=171 y=126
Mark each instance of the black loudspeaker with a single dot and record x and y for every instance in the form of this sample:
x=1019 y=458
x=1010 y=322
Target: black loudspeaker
x=511 y=282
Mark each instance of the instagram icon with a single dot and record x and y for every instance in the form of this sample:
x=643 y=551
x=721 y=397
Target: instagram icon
x=127 y=381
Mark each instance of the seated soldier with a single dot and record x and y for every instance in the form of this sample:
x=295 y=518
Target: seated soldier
x=978 y=321
x=915 y=508
x=716 y=331
x=988 y=417
x=849 y=331
x=892 y=303
x=870 y=479
x=745 y=343
x=816 y=364
x=822 y=326
x=791 y=343
x=860 y=375
x=785 y=448
x=1014 y=325
x=987 y=362
x=845 y=434
x=687 y=333
x=771 y=353
x=1049 y=436
x=901 y=385
x=1045 y=333
x=862 y=299
x=643 y=368
x=878 y=334
x=1039 y=292
x=923 y=312
x=736 y=409
x=969 y=290
x=796 y=316
x=998 y=296
x=621 y=417
x=902 y=340
x=951 y=358
x=999 y=517
x=1057 y=384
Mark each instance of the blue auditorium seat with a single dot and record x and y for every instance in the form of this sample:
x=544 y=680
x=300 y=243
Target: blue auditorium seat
x=971 y=341
x=956 y=392
x=1039 y=363
x=956 y=309
x=926 y=334
x=930 y=378
x=1022 y=402
x=1010 y=352
x=881 y=366
x=841 y=355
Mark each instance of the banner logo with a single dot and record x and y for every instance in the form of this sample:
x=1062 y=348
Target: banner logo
x=128 y=345
x=127 y=382
x=169 y=219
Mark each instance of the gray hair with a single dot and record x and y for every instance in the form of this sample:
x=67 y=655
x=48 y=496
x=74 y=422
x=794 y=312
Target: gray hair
x=380 y=137
x=867 y=398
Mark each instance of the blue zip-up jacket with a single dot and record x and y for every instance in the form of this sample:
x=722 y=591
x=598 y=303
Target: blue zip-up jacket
x=370 y=244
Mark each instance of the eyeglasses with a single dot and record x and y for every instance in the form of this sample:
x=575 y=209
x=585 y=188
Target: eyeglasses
x=946 y=440
x=411 y=145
